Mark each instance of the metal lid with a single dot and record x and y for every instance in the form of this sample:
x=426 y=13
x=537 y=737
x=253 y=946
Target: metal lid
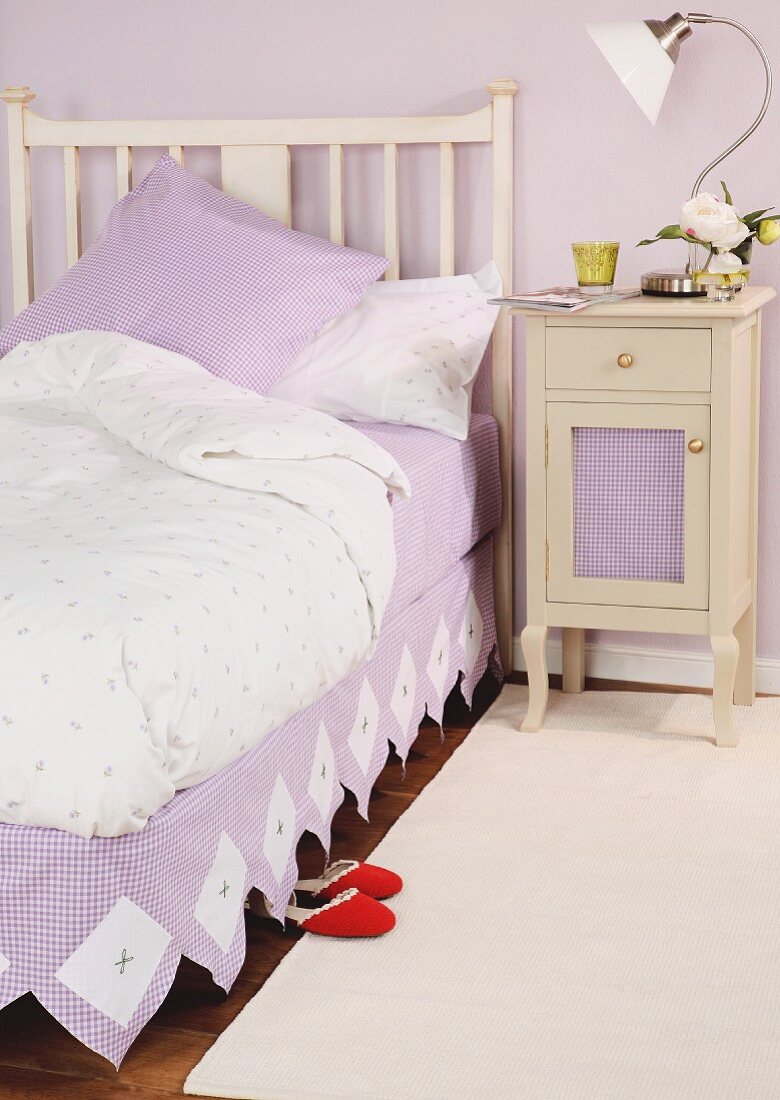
x=671 y=284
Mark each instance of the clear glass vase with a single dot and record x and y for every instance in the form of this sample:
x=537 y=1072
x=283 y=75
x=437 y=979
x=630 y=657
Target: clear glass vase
x=722 y=286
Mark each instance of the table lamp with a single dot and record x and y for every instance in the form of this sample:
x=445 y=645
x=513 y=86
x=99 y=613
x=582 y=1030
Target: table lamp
x=643 y=54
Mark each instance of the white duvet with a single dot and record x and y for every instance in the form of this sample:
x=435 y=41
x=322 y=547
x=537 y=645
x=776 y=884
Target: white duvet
x=183 y=566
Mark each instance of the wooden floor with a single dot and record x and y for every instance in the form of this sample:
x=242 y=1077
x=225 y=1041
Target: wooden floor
x=40 y=1060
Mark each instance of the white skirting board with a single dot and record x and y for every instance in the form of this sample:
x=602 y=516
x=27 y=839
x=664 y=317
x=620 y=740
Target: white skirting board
x=645 y=665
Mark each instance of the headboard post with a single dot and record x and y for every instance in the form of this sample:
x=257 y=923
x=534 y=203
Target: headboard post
x=21 y=209
x=503 y=92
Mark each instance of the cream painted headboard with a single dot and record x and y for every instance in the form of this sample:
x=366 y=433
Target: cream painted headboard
x=255 y=159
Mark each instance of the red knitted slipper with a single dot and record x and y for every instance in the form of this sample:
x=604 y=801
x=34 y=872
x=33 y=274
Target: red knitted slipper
x=347 y=874
x=350 y=914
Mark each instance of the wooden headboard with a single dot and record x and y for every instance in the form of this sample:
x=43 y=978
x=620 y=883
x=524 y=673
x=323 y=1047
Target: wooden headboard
x=255 y=164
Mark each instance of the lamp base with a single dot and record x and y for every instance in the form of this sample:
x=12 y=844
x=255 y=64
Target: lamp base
x=671 y=284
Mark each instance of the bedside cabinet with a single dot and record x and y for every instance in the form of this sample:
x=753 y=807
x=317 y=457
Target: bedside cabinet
x=641 y=481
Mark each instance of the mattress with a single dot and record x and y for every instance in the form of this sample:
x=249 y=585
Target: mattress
x=455 y=501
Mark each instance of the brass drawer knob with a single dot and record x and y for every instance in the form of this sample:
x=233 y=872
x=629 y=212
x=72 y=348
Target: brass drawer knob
x=695 y=446
x=625 y=360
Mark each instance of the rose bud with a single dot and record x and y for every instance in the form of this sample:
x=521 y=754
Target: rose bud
x=768 y=230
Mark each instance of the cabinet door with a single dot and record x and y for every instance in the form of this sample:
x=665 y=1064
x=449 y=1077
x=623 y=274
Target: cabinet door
x=628 y=504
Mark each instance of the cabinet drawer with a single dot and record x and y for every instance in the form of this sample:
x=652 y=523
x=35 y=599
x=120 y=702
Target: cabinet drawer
x=671 y=359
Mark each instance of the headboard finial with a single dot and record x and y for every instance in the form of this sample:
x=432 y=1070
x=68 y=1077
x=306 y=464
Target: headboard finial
x=504 y=86
x=21 y=95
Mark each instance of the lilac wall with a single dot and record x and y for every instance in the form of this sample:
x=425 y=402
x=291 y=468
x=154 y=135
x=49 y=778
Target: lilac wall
x=588 y=165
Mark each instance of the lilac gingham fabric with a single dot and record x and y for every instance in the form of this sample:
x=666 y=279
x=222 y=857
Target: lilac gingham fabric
x=629 y=503
x=184 y=266
x=456 y=499
x=55 y=887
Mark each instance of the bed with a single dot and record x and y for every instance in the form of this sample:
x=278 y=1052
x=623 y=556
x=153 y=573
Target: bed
x=75 y=912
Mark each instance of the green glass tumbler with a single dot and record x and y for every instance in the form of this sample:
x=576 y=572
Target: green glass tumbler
x=595 y=263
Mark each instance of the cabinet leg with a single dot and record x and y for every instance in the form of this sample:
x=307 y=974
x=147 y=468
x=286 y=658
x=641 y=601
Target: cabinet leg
x=534 y=644
x=725 y=650
x=745 y=683
x=573 y=659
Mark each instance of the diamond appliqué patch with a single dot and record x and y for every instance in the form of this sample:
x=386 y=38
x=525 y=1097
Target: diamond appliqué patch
x=471 y=633
x=221 y=898
x=322 y=773
x=4 y=963
x=439 y=660
x=279 y=829
x=361 y=739
x=402 y=702
x=114 y=965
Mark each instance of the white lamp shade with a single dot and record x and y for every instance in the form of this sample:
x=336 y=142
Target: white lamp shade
x=639 y=59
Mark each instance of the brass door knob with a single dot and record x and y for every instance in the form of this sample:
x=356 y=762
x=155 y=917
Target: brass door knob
x=625 y=360
x=695 y=446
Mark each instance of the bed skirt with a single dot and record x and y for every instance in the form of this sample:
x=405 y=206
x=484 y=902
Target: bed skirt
x=95 y=928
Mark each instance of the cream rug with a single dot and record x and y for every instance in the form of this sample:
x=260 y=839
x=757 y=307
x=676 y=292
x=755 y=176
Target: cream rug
x=592 y=911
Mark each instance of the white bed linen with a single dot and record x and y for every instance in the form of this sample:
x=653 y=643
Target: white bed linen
x=407 y=353
x=154 y=625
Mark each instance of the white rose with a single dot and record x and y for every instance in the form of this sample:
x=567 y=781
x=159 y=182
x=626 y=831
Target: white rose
x=724 y=263
x=733 y=238
x=712 y=221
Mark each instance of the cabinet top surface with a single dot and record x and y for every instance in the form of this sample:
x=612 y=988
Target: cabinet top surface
x=748 y=301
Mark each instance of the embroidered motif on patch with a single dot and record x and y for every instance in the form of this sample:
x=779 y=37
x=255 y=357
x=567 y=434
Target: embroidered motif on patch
x=361 y=739
x=439 y=660
x=404 y=692
x=471 y=633
x=221 y=897
x=114 y=965
x=322 y=773
x=122 y=963
x=279 y=829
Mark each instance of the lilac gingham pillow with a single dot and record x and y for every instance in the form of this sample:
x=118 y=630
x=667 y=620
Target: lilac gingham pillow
x=184 y=266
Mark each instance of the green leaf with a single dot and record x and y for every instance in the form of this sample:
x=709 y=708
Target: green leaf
x=756 y=216
x=669 y=233
x=673 y=233
x=726 y=193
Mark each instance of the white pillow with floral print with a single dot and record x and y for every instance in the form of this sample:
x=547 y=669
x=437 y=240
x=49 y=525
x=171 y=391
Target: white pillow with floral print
x=408 y=353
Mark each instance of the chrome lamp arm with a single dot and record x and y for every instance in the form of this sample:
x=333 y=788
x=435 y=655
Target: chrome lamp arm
x=699 y=17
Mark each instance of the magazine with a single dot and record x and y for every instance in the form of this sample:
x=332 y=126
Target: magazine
x=564 y=299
